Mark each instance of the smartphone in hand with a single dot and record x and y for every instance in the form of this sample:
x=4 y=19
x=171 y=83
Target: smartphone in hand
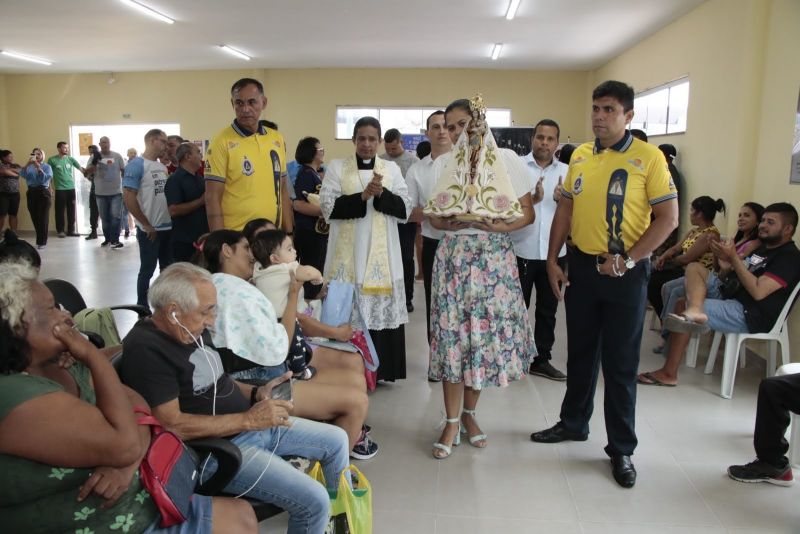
x=282 y=391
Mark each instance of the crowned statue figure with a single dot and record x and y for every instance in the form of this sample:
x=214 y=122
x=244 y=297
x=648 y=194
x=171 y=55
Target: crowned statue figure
x=474 y=184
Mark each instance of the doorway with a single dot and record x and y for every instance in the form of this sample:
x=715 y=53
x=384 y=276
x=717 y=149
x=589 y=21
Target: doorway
x=122 y=137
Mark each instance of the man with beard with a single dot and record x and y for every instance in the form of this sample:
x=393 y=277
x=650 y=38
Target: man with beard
x=766 y=279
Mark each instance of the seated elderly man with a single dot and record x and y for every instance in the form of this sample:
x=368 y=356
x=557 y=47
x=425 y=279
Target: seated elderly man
x=170 y=361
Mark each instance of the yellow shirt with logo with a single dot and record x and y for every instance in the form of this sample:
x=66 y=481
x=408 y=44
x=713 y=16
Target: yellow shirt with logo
x=612 y=191
x=251 y=167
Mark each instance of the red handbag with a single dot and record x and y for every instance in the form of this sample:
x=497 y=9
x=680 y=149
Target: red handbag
x=168 y=471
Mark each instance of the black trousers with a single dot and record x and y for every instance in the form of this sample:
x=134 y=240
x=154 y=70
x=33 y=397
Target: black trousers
x=65 y=204
x=311 y=250
x=657 y=280
x=391 y=348
x=605 y=316
x=533 y=273
x=182 y=251
x=39 y=201
x=777 y=396
x=94 y=211
x=428 y=258
x=408 y=233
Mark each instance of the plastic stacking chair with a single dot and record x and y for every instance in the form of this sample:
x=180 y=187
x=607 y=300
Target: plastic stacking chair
x=794 y=428
x=733 y=343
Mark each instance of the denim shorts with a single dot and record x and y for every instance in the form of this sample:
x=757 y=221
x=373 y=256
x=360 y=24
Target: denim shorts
x=198 y=522
x=264 y=374
x=725 y=316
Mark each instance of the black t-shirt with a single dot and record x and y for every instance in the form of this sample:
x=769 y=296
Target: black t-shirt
x=184 y=187
x=308 y=181
x=162 y=369
x=782 y=264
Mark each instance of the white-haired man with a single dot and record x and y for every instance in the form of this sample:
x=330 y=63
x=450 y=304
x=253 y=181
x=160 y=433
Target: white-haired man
x=175 y=367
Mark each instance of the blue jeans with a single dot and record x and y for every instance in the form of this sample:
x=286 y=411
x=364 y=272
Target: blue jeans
x=305 y=499
x=110 y=207
x=151 y=252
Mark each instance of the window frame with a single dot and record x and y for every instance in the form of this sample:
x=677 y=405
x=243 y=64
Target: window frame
x=666 y=87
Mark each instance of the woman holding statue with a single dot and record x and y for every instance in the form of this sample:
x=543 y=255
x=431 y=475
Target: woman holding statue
x=480 y=331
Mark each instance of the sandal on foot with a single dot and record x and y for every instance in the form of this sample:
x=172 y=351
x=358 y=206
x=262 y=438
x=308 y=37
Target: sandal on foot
x=473 y=440
x=647 y=379
x=447 y=449
x=683 y=324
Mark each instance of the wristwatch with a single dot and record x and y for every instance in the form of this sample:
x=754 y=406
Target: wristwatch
x=629 y=263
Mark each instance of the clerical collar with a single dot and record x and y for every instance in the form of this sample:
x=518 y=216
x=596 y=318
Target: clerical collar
x=365 y=164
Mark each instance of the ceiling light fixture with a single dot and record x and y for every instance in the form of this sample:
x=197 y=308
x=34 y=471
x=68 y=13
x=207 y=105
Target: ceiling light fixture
x=498 y=47
x=24 y=57
x=513 y=5
x=234 y=52
x=148 y=11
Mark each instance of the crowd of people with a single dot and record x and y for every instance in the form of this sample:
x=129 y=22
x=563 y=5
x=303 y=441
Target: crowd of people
x=245 y=264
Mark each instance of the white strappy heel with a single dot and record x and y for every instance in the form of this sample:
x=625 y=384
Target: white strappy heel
x=473 y=440
x=448 y=450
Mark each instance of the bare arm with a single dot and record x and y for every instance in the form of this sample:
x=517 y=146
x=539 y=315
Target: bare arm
x=263 y=414
x=286 y=207
x=185 y=208
x=759 y=287
x=417 y=215
x=87 y=435
x=214 y=192
x=562 y=221
x=307 y=208
x=290 y=313
x=132 y=203
x=665 y=221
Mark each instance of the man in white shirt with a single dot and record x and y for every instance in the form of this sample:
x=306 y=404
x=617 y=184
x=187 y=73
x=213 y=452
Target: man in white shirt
x=143 y=189
x=530 y=243
x=421 y=180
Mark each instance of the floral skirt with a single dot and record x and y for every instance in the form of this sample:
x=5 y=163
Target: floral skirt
x=480 y=330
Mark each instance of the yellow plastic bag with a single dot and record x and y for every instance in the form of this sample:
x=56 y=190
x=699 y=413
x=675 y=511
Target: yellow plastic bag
x=351 y=508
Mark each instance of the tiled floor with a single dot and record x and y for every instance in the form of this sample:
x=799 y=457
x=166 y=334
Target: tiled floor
x=687 y=437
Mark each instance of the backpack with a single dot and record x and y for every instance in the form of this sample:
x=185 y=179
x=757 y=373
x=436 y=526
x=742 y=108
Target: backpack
x=101 y=322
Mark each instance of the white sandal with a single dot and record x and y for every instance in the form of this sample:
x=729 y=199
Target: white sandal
x=448 y=450
x=478 y=437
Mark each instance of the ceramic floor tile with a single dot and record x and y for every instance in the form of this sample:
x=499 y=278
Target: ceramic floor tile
x=687 y=437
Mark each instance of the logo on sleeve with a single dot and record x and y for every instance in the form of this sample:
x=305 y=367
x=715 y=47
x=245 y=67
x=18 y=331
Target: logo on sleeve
x=577 y=187
x=247 y=167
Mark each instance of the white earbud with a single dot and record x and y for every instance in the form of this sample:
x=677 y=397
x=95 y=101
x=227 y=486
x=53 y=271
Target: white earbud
x=175 y=317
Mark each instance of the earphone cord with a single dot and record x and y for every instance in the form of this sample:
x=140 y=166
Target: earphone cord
x=215 y=371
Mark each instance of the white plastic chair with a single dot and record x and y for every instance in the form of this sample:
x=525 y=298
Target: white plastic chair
x=794 y=427
x=733 y=344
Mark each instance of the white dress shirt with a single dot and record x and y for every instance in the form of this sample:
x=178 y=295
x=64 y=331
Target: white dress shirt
x=531 y=242
x=420 y=180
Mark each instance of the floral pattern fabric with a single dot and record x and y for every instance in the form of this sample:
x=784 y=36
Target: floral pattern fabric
x=480 y=330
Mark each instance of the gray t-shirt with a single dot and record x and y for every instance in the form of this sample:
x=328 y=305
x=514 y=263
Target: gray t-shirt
x=108 y=175
x=404 y=161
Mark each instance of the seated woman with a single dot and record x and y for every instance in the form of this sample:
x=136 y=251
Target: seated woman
x=247 y=325
x=746 y=241
x=694 y=247
x=89 y=482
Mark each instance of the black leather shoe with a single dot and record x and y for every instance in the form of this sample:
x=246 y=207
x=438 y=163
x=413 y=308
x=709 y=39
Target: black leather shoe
x=623 y=470
x=557 y=434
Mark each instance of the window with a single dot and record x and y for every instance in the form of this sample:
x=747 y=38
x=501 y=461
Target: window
x=662 y=110
x=407 y=120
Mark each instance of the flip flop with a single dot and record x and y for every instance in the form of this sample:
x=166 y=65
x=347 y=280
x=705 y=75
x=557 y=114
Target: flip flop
x=683 y=324
x=650 y=380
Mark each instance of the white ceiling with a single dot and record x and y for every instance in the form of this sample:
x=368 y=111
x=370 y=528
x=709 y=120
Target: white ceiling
x=107 y=35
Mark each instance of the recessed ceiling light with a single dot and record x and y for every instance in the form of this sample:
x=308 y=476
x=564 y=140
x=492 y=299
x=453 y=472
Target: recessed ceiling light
x=234 y=52
x=498 y=47
x=148 y=11
x=513 y=5
x=24 y=57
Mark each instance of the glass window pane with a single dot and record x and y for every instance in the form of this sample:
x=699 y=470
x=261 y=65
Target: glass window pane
x=346 y=119
x=498 y=118
x=650 y=112
x=678 y=107
x=407 y=120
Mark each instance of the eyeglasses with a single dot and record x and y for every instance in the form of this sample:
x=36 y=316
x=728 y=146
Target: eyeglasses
x=321 y=149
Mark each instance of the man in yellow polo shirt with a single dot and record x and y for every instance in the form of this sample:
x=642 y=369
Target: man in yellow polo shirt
x=246 y=166
x=612 y=186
